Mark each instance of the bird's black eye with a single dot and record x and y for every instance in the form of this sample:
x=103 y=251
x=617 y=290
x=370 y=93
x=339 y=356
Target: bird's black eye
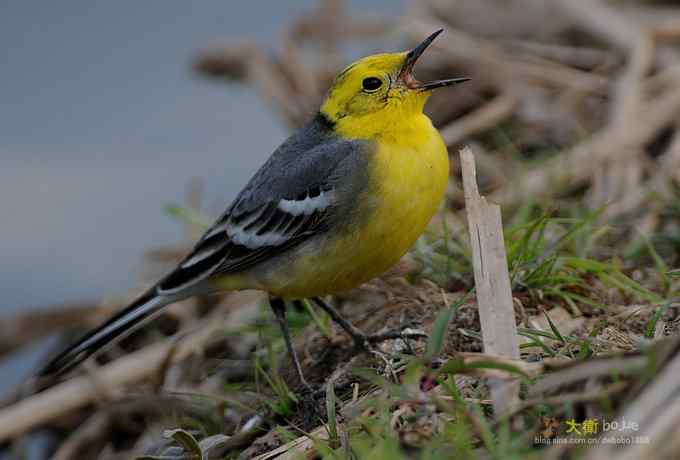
x=371 y=83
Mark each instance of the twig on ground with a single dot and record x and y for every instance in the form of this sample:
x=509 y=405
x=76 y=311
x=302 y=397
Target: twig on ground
x=656 y=417
x=78 y=392
x=94 y=431
x=302 y=447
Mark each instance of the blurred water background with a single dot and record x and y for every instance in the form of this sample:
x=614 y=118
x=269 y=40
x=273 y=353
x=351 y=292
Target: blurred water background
x=102 y=123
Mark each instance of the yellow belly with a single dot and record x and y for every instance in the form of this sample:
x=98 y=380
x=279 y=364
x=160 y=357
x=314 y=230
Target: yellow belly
x=408 y=181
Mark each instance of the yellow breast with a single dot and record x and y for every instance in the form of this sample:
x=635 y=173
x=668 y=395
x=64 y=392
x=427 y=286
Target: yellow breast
x=408 y=177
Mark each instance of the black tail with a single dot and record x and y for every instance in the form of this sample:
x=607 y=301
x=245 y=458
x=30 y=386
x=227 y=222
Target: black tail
x=120 y=324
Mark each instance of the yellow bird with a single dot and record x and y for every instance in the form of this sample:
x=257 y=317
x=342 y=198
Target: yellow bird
x=338 y=203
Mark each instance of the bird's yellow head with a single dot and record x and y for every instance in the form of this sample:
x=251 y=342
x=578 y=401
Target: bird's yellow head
x=378 y=94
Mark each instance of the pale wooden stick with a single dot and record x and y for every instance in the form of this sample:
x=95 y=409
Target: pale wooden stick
x=492 y=282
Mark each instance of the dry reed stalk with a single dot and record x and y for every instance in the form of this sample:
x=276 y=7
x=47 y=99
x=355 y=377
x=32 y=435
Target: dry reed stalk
x=656 y=415
x=492 y=282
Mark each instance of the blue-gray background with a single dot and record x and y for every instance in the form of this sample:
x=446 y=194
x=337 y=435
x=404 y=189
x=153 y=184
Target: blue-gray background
x=102 y=123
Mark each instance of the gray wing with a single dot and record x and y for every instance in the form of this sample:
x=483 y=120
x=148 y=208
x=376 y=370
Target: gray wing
x=291 y=198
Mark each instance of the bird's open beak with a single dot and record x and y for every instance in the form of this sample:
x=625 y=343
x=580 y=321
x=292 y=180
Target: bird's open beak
x=406 y=77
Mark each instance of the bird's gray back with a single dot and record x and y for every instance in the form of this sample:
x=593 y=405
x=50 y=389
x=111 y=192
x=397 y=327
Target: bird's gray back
x=306 y=159
x=307 y=186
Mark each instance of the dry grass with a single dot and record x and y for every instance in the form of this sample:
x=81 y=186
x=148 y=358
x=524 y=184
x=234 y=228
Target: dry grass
x=573 y=118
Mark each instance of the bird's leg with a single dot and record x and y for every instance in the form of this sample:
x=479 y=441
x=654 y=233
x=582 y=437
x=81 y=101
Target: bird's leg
x=361 y=339
x=279 y=309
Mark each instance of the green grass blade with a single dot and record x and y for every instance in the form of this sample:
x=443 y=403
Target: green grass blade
x=651 y=324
